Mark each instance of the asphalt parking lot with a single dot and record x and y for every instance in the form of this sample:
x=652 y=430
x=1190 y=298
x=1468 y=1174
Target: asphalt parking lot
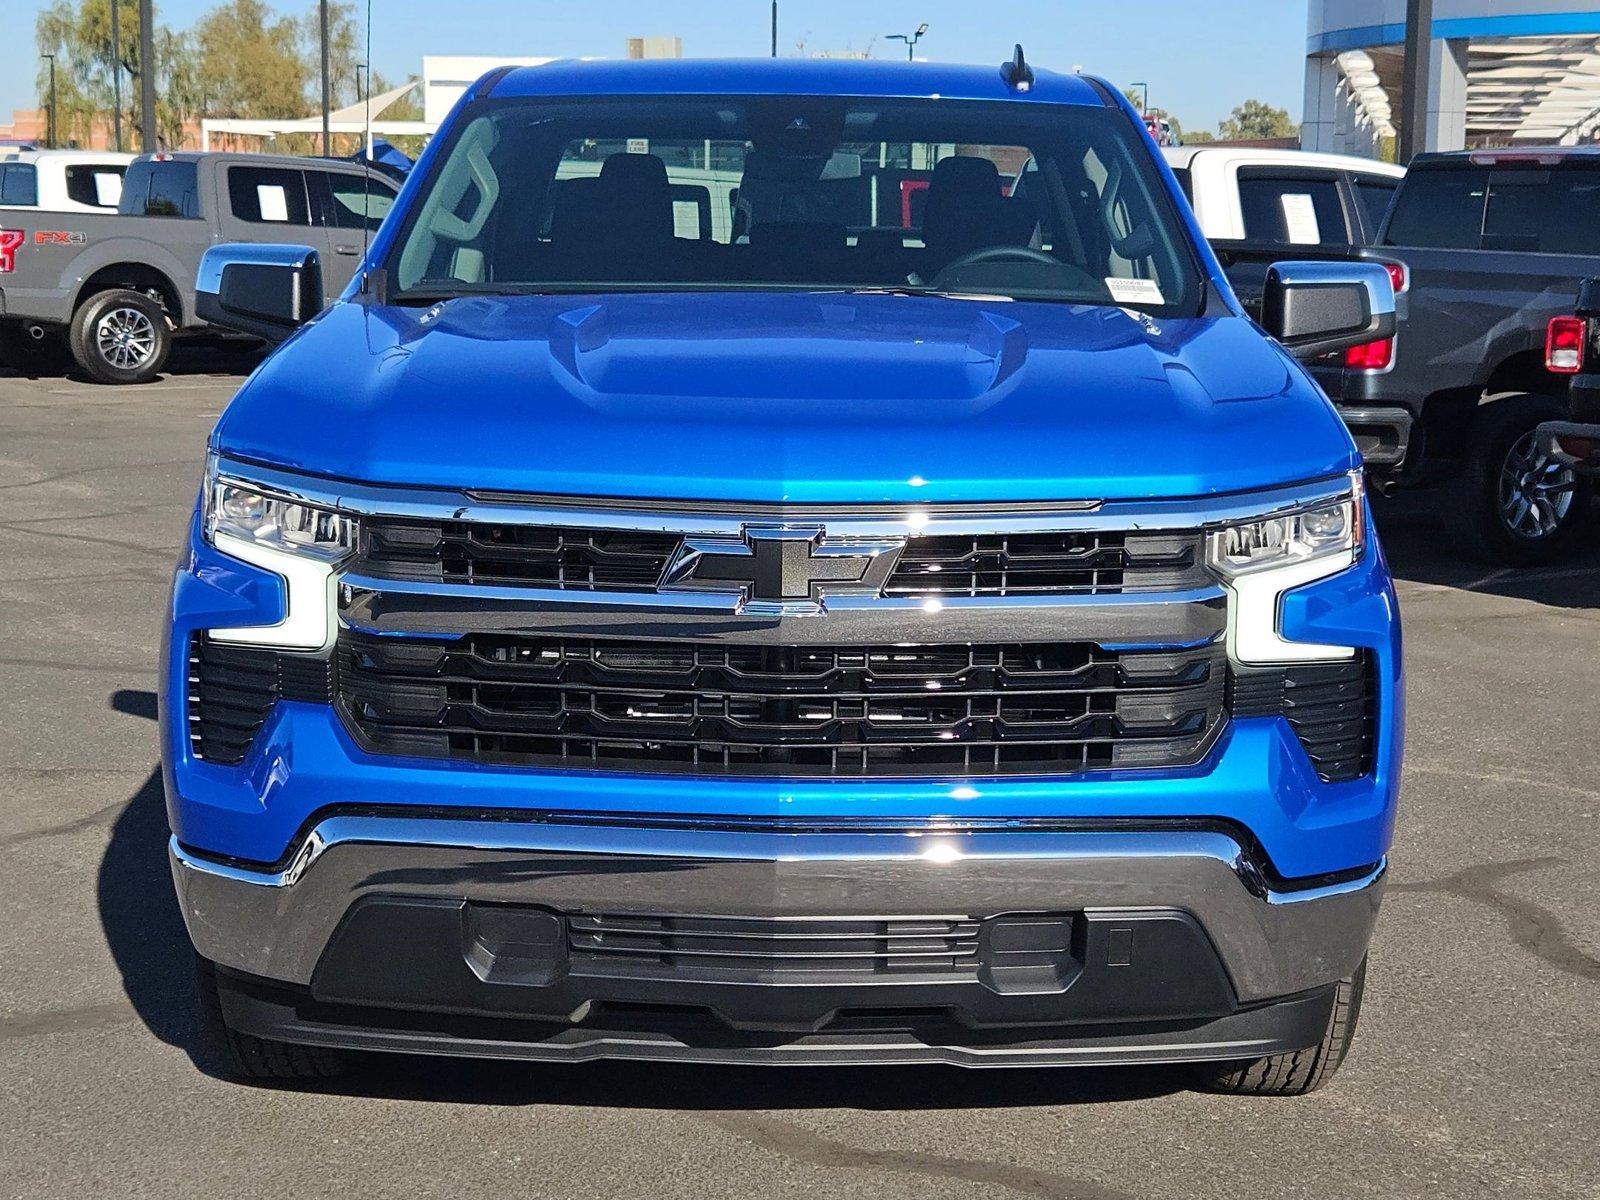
x=1476 y=1073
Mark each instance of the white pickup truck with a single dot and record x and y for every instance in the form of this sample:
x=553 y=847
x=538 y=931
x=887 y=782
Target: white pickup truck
x=1284 y=197
x=84 y=181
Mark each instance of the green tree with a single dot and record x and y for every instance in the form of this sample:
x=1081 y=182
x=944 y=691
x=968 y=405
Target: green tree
x=250 y=62
x=79 y=35
x=1255 y=119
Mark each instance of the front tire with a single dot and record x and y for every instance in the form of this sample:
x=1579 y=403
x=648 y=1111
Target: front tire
x=120 y=336
x=261 y=1058
x=1511 y=504
x=1300 y=1071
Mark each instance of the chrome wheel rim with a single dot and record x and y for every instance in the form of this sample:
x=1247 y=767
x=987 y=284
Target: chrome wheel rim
x=1535 y=491
x=126 y=338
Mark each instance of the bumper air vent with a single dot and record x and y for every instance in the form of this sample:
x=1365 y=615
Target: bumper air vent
x=1332 y=707
x=233 y=688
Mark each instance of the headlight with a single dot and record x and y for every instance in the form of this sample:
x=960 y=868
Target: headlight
x=1317 y=532
x=298 y=541
x=1259 y=560
x=239 y=509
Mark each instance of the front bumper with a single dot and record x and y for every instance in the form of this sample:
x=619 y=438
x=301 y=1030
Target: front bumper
x=971 y=945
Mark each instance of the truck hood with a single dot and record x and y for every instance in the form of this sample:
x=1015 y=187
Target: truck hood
x=801 y=397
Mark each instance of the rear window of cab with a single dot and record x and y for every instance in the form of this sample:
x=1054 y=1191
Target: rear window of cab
x=1532 y=208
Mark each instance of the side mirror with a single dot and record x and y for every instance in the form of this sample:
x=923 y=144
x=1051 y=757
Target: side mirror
x=266 y=291
x=1317 y=308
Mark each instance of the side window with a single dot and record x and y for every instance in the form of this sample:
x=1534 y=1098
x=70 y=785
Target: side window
x=1373 y=193
x=268 y=195
x=351 y=202
x=155 y=188
x=1185 y=179
x=1302 y=209
x=19 y=184
x=99 y=185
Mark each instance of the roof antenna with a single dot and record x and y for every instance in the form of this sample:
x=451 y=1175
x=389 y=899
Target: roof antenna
x=1017 y=73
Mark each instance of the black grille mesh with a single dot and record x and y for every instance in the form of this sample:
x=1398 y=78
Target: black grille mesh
x=741 y=947
x=841 y=711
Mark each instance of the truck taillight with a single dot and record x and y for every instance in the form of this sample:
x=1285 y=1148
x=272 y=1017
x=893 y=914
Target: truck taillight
x=1398 y=276
x=1370 y=356
x=1563 y=345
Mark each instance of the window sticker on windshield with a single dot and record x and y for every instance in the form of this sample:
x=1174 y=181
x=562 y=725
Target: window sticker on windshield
x=1135 y=291
x=1300 y=219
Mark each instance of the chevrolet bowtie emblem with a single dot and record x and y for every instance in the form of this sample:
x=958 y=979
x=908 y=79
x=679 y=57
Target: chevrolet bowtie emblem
x=784 y=566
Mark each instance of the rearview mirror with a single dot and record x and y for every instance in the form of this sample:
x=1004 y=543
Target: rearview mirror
x=1317 y=308
x=265 y=291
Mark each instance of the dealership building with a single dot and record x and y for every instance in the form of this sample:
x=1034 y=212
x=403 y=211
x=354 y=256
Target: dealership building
x=1502 y=71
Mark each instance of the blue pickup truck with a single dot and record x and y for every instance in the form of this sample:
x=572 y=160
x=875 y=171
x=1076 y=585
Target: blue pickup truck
x=785 y=562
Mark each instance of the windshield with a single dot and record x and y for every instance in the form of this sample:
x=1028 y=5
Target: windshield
x=1049 y=202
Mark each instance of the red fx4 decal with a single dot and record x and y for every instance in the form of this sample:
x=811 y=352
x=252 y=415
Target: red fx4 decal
x=10 y=239
x=59 y=237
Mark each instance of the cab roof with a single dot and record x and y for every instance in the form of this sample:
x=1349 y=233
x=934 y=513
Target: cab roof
x=784 y=77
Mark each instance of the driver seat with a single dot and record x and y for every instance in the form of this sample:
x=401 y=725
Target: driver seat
x=964 y=211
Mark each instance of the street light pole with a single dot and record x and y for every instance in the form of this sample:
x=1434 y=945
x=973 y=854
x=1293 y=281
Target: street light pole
x=774 y=28
x=327 y=141
x=147 y=76
x=1414 y=83
x=910 y=39
x=116 y=72
x=50 y=135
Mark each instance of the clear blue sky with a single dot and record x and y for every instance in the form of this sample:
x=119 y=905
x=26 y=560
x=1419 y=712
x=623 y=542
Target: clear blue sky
x=1200 y=57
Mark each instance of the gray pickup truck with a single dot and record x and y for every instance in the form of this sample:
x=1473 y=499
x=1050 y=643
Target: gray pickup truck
x=1486 y=247
x=113 y=290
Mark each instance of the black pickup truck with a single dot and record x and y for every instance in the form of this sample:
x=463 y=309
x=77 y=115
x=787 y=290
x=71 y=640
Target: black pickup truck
x=1487 y=247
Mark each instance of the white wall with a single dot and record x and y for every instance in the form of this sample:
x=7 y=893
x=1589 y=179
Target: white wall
x=446 y=77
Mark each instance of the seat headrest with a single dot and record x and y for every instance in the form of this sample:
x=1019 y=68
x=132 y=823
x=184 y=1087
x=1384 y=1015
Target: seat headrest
x=635 y=195
x=963 y=207
x=967 y=173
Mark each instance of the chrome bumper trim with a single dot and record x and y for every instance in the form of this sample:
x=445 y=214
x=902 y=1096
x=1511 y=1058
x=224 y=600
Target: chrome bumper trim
x=276 y=924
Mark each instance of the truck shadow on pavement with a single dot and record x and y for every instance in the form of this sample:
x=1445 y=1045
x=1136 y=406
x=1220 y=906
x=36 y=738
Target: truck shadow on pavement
x=229 y=360
x=1419 y=550
x=144 y=930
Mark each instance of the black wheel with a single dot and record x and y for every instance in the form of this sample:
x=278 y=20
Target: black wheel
x=1512 y=504
x=120 y=336
x=262 y=1058
x=31 y=349
x=1302 y=1071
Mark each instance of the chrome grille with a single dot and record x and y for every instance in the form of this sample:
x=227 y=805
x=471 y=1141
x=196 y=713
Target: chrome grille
x=580 y=559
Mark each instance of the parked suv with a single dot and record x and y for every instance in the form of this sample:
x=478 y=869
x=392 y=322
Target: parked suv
x=112 y=289
x=604 y=635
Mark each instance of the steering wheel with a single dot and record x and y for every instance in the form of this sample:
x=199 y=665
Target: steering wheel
x=989 y=254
